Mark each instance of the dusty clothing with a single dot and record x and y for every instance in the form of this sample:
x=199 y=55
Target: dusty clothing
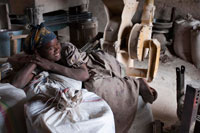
x=107 y=81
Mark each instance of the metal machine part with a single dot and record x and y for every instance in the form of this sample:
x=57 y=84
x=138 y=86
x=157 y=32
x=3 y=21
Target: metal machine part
x=128 y=42
x=55 y=20
x=40 y=7
x=37 y=11
x=144 y=31
x=113 y=12
x=82 y=29
x=180 y=77
x=180 y=87
x=164 y=26
x=190 y=116
x=92 y=44
x=140 y=44
x=153 y=62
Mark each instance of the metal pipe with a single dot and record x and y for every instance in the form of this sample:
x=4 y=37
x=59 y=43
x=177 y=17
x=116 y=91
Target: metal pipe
x=182 y=80
x=178 y=82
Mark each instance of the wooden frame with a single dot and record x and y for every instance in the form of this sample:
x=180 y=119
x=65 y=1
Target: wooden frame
x=13 y=43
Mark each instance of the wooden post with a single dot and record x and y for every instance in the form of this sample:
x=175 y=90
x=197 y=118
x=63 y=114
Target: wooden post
x=13 y=46
x=4 y=16
x=13 y=43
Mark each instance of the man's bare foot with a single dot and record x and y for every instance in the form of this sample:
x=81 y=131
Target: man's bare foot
x=148 y=94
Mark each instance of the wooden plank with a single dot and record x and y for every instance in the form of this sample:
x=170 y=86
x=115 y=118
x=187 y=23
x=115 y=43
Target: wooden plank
x=18 y=37
x=18 y=6
x=3 y=60
x=13 y=45
x=4 y=16
x=190 y=110
x=136 y=72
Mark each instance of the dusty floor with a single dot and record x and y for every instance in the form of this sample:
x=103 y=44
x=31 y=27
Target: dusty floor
x=164 y=108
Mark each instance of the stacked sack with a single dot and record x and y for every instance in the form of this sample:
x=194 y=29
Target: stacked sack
x=187 y=39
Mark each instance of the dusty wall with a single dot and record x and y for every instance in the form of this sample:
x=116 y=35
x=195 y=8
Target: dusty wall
x=98 y=10
x=183 y=7
x=18 y=6
x=163 y=9
x=3 y=1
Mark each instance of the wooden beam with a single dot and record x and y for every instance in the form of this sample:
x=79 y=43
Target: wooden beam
x=13 y=43
x=4 y=16
x=18 y=37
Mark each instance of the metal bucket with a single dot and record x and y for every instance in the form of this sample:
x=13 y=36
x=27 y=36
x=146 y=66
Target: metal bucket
x=82 y=32
x=5 y=41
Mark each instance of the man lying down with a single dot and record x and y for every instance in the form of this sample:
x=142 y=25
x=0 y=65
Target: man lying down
x=100 y=72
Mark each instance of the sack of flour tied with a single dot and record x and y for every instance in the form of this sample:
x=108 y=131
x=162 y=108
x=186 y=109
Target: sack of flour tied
x=195 y=45
x=182 y=41
x=59 y=105
x=12 y=102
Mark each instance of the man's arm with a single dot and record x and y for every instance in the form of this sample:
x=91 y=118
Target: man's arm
x=19 y=60
x=24 y=76
x=80 y=73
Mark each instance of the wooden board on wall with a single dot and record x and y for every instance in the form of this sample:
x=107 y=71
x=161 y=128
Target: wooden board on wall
x=4 y=16
x=18 y=7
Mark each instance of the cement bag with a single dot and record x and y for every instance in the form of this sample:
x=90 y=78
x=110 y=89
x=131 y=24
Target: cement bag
x=61 y=106
x=182 y=45
x=12 y=109
x=195 y=45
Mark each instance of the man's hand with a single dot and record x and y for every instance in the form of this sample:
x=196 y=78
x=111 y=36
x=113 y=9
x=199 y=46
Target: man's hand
x=19 y=60
x=24 y=76
x=148 y=93
x=41 y=62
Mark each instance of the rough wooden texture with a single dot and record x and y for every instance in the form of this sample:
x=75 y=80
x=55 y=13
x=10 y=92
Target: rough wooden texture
x=129 y=10
x=18 y=6
x=4 y=18
x=153 y=62
x=13 y=43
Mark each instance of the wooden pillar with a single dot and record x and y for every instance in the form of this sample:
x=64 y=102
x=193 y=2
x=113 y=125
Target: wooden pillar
x=13 y=43
x=4 y=16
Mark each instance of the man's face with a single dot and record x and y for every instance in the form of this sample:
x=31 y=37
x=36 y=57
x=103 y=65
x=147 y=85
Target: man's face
x=51 y=50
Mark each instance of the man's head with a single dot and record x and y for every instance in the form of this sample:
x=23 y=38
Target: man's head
x=51 y=50
x=44 y=42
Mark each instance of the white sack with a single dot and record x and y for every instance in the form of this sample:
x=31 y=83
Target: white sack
x=182 y=41
x=66 y=108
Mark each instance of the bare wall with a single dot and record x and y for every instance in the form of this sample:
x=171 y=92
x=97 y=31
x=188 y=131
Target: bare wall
x=163 y=9
x=183 y=7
